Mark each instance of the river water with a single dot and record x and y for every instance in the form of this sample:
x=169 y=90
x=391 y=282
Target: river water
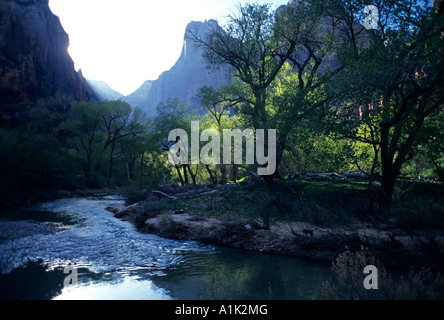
x=113 y=261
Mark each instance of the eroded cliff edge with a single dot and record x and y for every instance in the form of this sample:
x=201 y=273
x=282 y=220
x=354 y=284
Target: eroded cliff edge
x=34 y=58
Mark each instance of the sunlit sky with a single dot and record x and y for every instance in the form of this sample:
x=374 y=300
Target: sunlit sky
x=126 y=42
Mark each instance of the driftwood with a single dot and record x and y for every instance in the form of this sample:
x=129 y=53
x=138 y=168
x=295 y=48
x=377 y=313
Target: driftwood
x=165 y=195
x=323 y=176
x=255 y=177
x=199 y=195
x=335 y=176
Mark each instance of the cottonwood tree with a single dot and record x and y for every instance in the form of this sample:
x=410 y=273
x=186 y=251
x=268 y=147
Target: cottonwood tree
x=258 y=44
x=219 y=107
x=396 y=79
x=432 y=139
x=120 y=122
x=96 y=129
x=170 y=116
x=85 y=123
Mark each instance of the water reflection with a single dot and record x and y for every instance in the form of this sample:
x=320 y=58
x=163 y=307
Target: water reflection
x=115 y=262
x=31 y=282
x=237 y=275
x=221 y=275
x=124 y=289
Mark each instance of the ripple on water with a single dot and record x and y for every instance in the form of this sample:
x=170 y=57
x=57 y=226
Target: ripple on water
x=96 y=239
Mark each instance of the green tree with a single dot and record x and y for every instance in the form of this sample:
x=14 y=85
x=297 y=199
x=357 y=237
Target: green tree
x=32 y=157
x=432 y=141
x=120 y=122
x=396 y=78
x=85 y=124
x=170 y=116
x=262 y=48
x=248 y=45
x=153 y=167
x=219 y=106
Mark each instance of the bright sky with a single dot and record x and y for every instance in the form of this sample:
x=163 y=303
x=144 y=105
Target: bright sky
x=126 y=42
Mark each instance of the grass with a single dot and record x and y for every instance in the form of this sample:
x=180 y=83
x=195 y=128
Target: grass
x=324 y=203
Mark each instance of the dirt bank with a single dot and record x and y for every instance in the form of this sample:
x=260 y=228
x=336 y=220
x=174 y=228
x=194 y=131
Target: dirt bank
x=394 y=248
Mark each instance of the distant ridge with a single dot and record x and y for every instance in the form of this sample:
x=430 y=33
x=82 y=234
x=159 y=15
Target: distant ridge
x=103 y=91
x=139 y=98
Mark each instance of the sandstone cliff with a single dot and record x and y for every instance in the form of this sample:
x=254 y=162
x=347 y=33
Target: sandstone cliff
x=139 y=98
x=103 y=91
x=189 y=74
x=34 y=58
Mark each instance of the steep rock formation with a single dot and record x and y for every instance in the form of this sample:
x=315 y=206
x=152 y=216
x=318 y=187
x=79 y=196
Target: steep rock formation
x=189 y=74
x=103 y=91
x=139 y=98
x=34 y=58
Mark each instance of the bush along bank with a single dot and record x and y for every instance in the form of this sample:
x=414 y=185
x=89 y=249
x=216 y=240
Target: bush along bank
x=248 y=218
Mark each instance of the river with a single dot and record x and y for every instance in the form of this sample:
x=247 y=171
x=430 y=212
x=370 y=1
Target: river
x=110 y=260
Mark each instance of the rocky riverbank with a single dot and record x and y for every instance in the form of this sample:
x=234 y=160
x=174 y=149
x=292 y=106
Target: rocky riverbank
x=394 y=248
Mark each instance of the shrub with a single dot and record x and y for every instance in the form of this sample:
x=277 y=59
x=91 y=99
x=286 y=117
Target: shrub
x=133 y=195
x=349 y=282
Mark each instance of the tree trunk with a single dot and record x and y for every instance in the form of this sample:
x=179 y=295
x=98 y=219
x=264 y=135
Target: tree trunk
x=279 y=155
x=111 y=161
x=87 y=170
x=234 y=172
x=213 y=178
x=132 y=165
x=179 y=173
x=142 y=159
x=86 y=173
x=128 y=169
x=389 y=172
x=372 y=179
x=185 y=174
x=192 y=175
x=223 y=171
x=385 y=195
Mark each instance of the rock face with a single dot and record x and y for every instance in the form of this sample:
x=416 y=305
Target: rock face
x=103 y=91
x=189 y=74
x=139 y=98
x=34 y=58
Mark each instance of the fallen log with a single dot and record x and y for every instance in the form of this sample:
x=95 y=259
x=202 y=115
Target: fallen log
x=199 y=195
x=165 y=195
x=255 y=177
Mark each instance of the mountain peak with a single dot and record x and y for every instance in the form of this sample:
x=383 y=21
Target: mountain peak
x=200 y=27
x=197 y=29
x=185 y=78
